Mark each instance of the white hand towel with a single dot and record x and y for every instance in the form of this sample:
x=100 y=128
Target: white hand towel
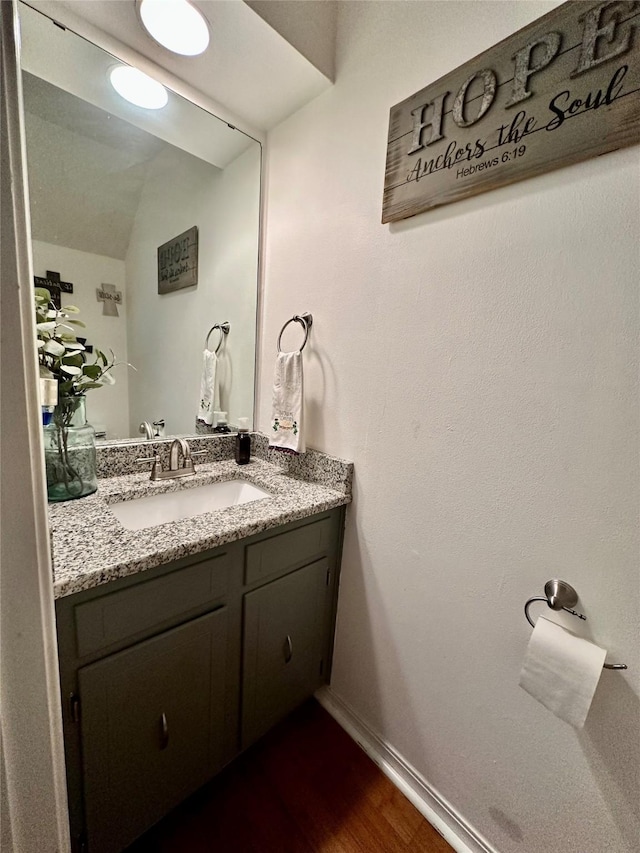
x=286 y=431
x=209 y=393
x=562 y=671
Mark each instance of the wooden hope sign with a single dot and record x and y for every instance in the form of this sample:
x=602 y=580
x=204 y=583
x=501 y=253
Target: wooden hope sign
x=563 y=89
x=178 y=262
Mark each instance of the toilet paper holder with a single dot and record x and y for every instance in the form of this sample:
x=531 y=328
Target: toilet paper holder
x=560 y=595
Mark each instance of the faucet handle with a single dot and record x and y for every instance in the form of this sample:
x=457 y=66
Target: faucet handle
x=156 y=469
x=196 y=453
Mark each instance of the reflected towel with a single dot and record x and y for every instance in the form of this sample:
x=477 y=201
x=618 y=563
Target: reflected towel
x=286 y=431
x=209 y=393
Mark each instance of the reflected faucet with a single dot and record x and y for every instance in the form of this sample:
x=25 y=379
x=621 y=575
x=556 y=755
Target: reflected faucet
x=146 y=430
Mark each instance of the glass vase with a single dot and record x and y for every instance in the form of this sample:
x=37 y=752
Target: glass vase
x=70 y=452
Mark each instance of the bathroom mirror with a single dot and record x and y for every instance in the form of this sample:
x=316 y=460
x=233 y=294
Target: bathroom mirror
x=109 y=184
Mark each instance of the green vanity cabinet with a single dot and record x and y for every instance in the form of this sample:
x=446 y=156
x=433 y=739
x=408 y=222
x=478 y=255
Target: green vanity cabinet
x=283 y=646
x=152 y=728
x=168 y=674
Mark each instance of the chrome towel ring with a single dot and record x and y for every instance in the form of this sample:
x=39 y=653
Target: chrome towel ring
x=559 y=595
x=223 y=328
x=305 y=320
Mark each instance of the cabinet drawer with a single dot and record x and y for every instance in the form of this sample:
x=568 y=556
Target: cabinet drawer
x=115 y=617
x=278 y=553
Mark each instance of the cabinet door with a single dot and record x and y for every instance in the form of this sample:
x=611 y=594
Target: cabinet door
x=152 y=728
x=283 y=644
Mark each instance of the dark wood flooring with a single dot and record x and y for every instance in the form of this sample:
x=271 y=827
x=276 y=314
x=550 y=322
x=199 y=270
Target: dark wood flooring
x=305 y=788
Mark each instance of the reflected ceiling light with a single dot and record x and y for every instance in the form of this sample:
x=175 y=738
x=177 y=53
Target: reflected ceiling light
x=138 y=88
x=176 y=25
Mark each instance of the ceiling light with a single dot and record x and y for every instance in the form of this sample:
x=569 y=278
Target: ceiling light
x=176 y=25
x=138 y=88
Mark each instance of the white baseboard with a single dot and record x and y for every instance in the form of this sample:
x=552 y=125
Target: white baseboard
x=433 y=806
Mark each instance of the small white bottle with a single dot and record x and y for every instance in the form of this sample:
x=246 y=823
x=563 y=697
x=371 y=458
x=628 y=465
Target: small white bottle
x=221 y=423
x=48 y=395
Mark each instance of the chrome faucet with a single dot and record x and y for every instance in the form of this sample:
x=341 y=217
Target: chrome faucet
x=179 y=448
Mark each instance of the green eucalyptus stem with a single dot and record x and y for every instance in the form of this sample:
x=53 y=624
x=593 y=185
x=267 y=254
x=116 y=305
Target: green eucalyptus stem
x=63 y=356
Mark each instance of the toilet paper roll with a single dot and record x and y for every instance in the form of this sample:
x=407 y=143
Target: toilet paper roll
x=562 y=671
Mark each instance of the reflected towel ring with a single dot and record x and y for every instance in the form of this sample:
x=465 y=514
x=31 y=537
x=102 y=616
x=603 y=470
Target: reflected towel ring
x=223 y=328
x=305 y=320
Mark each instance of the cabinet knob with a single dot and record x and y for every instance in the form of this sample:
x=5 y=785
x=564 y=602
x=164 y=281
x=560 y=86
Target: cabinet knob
x=164 y=731
x=288 y=649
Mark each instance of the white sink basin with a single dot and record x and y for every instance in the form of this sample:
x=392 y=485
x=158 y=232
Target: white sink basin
x=186 y=503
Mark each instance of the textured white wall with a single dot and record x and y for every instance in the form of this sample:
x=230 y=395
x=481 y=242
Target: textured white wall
x=479 y=365
x=107 y=407
x=166 y=332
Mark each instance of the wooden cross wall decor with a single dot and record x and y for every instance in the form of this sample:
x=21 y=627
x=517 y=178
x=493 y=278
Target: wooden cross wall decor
x=110 y=298
x=54 y=285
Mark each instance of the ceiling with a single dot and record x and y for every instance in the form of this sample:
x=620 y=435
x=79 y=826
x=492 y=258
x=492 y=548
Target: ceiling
x=91 y=153
x=249 y=68
x=86 y=171
x=77 y=66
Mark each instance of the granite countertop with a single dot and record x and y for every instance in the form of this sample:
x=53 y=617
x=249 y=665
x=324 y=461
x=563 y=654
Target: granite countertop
x=91 y=547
